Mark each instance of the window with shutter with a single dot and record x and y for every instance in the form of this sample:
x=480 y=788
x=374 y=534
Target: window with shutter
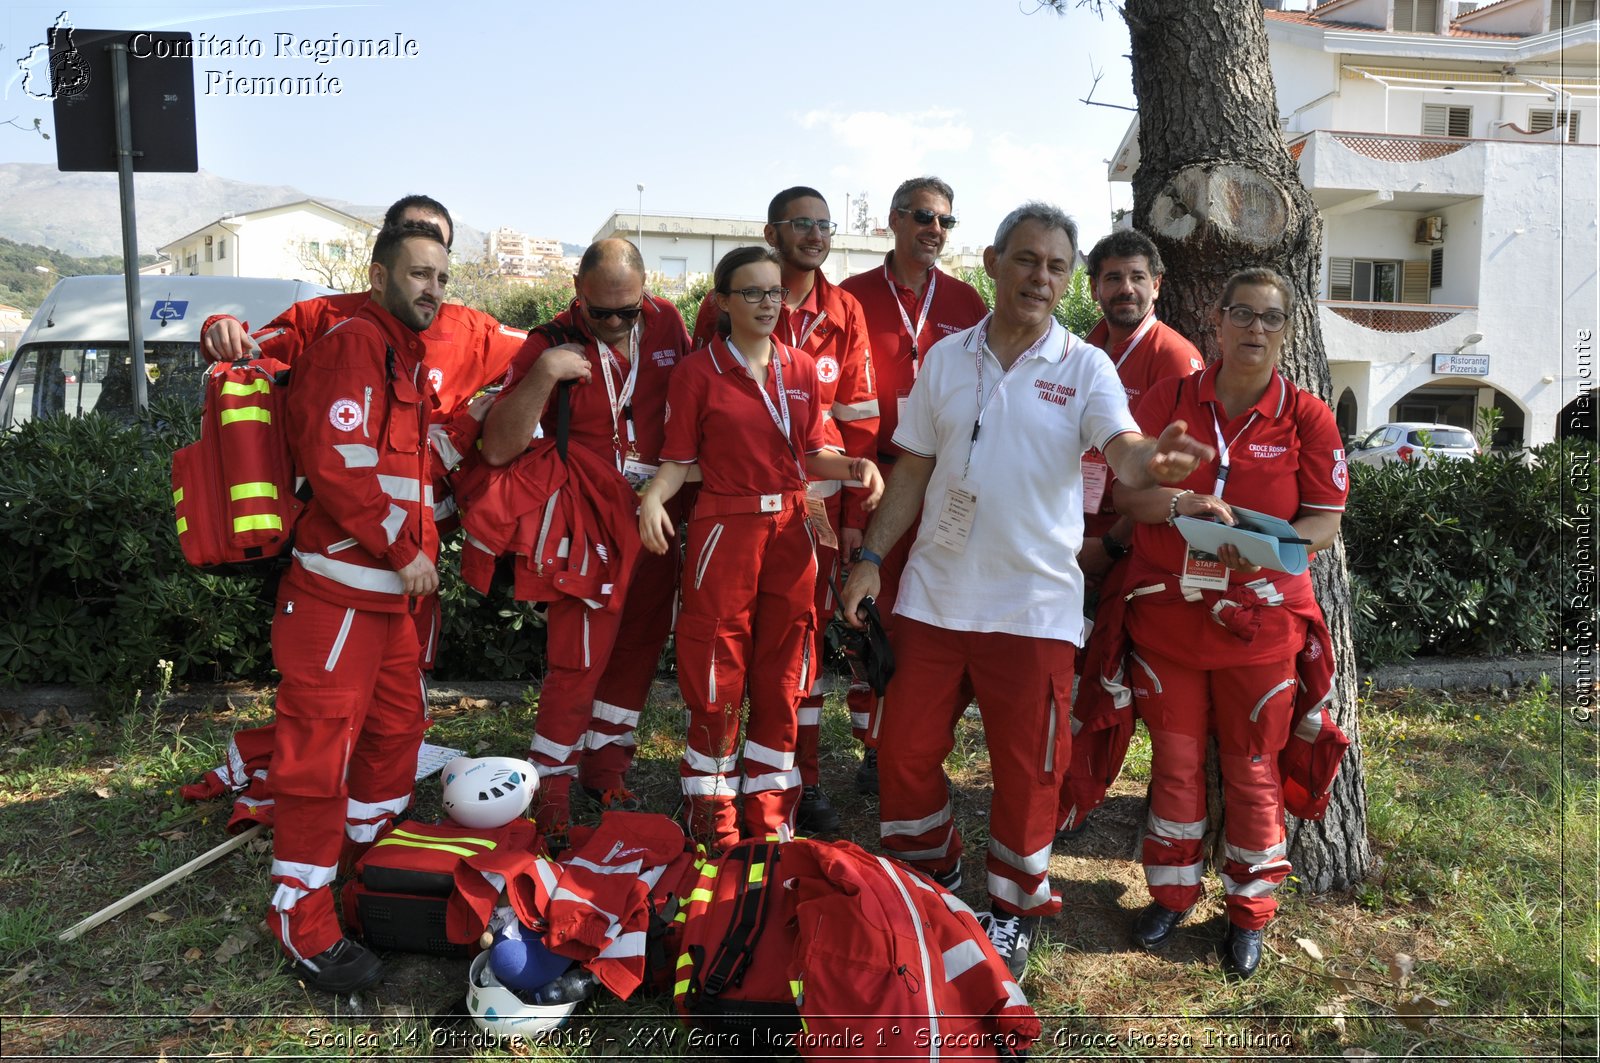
x=1564 y=13
x=1368 y=280
x=1416 y=16
x=1443 y=120
x=1339 y=270
x=1414 y=281
x=1436 y=268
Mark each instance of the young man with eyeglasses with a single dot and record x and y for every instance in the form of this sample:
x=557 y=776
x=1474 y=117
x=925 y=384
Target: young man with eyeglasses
x=910 y=304
x=618 y=346
x=826 y=322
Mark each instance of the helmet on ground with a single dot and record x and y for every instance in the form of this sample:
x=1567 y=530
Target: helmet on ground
x=486 y=792
x=500 y=1012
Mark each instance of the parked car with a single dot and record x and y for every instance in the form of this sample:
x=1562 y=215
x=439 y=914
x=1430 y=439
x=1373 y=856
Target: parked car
x=1415 y=442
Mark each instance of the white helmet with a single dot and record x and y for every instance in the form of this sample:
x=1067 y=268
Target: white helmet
x=501 y=1013
x=485 y=792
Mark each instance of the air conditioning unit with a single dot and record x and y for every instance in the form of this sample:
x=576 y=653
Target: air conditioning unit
x=1430 y=230
x=209 y=241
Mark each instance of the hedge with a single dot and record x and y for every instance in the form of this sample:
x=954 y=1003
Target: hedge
x=1447 y=558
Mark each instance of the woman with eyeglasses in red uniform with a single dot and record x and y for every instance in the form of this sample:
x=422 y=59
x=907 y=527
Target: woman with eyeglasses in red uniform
x=1217 y=641
x=744 y=410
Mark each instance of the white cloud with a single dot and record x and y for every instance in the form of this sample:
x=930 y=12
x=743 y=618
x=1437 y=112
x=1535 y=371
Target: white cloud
x=873 y=151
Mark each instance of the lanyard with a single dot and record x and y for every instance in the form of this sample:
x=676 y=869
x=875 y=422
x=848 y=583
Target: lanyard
x=1138 y=337
x=1225 y=445
x=983 y=406
x=779 y=414
x=922 y=317
x=621 y=403
x=811 y=326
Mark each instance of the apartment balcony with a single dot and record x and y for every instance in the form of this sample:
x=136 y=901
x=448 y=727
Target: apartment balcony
x=1387 y=332
x=1388 y=169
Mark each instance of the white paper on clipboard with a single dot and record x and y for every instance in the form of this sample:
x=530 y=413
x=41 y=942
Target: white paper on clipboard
x=1260 y=538
x=430 y=758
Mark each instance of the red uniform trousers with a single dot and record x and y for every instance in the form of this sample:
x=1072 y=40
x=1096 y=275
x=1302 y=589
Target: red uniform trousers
x=1024 y=688
x=350 y=715
x=1248 y=707
x=865 y=705
x=810 y=714
x=599 y=666
x=746 y=623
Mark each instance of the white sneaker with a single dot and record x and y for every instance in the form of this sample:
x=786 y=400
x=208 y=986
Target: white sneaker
x=1012 y=937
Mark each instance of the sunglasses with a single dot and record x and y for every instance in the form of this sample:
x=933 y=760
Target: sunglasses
x=805 y=225
x=1243 y=317
x=923 y=216
x=623 y=313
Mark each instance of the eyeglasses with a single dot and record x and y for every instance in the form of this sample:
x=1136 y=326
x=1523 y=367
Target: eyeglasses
x=922 y=216
x=805 y=225
x=1243 y=317
x=623 y=313
x=760 y=295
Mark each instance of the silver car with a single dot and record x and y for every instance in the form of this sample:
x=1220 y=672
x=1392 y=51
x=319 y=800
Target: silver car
x=1416 y=443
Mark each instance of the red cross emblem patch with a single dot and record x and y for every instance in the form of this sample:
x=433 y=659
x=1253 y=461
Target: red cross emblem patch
x=345 y=415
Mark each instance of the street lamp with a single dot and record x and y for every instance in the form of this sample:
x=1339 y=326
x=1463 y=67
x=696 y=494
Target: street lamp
x=640 y=219
x=1471 y=338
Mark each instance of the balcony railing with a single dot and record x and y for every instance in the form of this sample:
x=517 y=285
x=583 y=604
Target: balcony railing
x=1394 y=317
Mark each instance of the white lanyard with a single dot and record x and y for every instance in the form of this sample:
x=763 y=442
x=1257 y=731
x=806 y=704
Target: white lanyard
x=983 y=405
x=811 y=327
x=922 y=318
x=1138 y=337
x=779 y=414
x=1225 y=445
x=621 y=404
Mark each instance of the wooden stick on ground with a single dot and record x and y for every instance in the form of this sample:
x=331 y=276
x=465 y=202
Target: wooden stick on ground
x=116 y=908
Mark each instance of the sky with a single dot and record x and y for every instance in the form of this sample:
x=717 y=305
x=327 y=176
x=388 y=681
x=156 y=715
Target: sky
x=546 y=116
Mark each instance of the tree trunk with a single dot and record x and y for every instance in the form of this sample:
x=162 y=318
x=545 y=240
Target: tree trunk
x=1217 y=191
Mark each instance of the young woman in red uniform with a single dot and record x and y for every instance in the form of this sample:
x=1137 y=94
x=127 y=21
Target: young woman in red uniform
x=745 y=410
x=1215 y=646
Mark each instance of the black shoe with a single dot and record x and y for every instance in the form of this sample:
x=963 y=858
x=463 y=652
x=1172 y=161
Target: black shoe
x=867 y=773
x=1073 y=831
x=950 y=880
x=1012 y=937
x=815 y=814
x=343 y=967
x=1155 y=925
x=1241 y=951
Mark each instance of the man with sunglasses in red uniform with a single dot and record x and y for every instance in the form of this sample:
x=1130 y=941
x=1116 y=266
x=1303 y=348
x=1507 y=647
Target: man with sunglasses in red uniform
x=618 y=346
x=827 y=323
x=910 y=304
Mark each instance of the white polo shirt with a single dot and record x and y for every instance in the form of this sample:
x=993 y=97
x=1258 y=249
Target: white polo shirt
x=1019 y=570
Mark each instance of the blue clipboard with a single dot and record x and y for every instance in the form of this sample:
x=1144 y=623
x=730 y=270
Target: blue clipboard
x=1261 y=539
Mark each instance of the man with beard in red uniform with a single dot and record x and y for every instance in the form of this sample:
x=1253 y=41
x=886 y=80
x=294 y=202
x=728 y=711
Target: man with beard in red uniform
x=827 y=323
x=618 y=345
x=910 y=305
x=466 y=350
x=1125 y=271
x=350 y=706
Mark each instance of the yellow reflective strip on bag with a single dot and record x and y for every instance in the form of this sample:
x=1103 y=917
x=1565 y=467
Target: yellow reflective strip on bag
x=259 y=489
x=680 y=988
x=255 y=387
x=757 y=872
x=487 y=843
x=258 y=522
x=459 y=850
x=248 y=413
x=177 y=496
x=183 y=525
x=685 y=960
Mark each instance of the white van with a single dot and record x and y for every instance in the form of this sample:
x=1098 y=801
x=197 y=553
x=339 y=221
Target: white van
x=74 y=356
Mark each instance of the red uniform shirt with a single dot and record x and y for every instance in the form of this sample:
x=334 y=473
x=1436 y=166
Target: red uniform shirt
x=467 y=350
x=956 y=305
x=663 y=343
x=830 y=326
x=1284 y=455
x=1143 y=360
x=715 y=416
x=359 y=433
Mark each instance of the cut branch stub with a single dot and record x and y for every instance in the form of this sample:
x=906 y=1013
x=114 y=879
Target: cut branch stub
x=1242 y=205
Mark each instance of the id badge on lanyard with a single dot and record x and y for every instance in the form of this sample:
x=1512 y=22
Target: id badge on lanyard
x=621 y=403
x=903 y=395
x=1203 y=571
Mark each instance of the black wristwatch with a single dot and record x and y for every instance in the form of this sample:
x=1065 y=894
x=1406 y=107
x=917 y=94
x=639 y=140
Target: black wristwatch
x=1114 y=550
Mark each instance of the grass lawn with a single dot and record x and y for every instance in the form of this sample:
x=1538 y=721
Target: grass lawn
x=1476 y=936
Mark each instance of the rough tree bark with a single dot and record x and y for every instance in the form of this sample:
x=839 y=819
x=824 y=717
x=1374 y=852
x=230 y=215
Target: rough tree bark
x=1217 y=191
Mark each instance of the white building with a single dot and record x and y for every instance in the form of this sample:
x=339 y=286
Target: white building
x=1451 y=148
x=516 y=254
x=306 y=240
x=681 y=248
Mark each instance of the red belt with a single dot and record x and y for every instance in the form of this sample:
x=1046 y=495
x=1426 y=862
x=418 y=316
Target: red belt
x=709 y=505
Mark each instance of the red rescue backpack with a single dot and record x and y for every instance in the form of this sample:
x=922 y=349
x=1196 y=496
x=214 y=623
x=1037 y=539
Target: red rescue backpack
x=234 y=489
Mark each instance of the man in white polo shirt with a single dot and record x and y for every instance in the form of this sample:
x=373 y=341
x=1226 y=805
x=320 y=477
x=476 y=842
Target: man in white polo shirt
x=992 y=594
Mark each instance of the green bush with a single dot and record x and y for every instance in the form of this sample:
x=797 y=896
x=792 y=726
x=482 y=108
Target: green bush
x=530 y=305
x=1463 y=557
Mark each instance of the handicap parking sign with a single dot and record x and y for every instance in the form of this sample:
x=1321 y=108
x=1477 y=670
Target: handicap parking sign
x=169 y=310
